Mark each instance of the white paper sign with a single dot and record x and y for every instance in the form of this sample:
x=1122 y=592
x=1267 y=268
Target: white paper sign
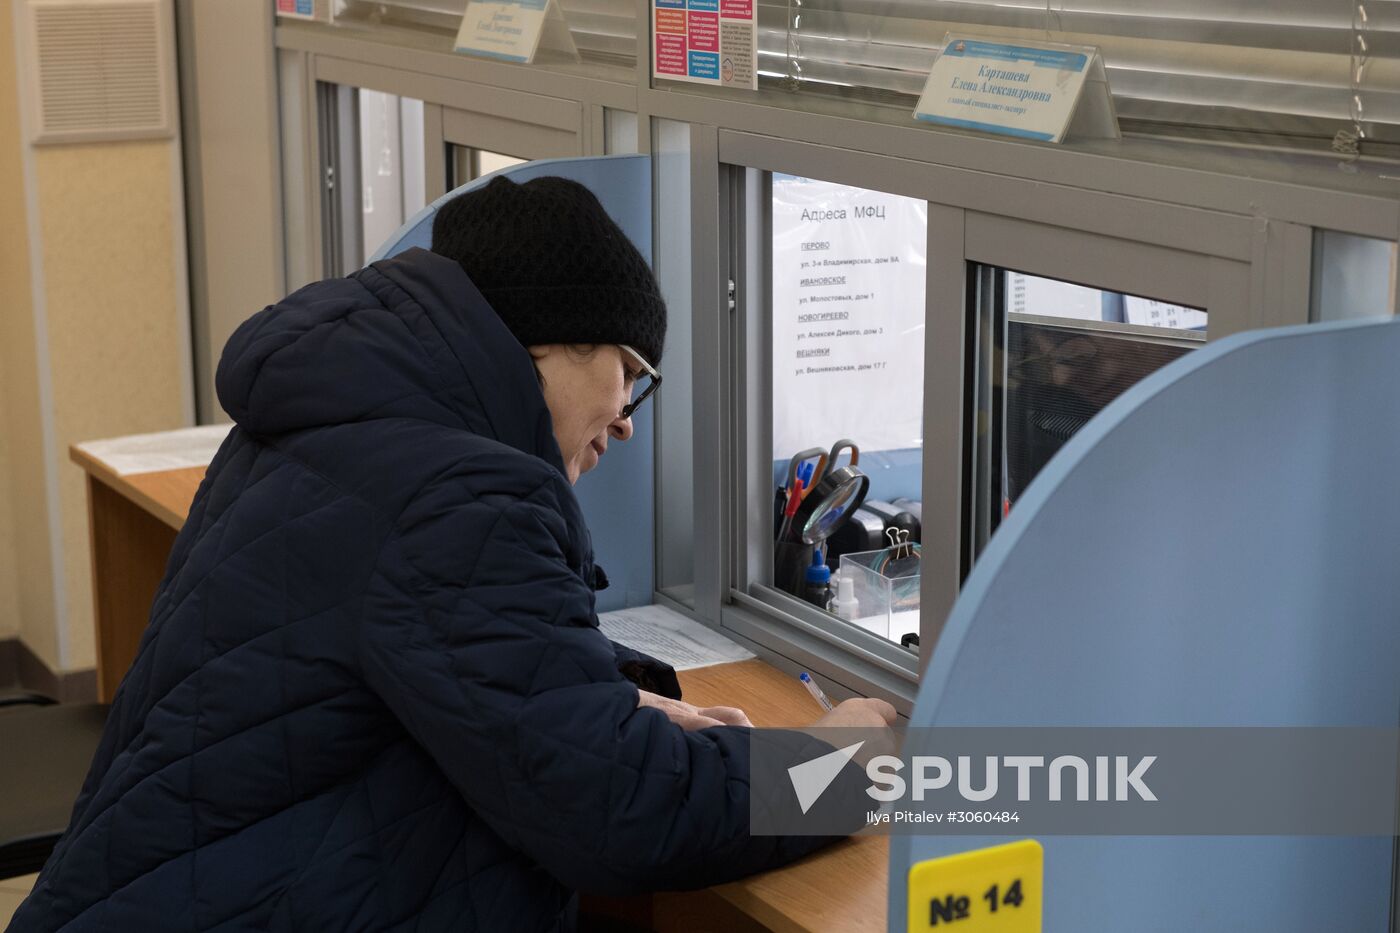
x=705 y=42
x=514 y=30
x=1029 y=91
x=848 y=317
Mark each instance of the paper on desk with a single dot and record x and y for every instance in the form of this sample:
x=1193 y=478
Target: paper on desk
x=669 y=636
x=168 y=450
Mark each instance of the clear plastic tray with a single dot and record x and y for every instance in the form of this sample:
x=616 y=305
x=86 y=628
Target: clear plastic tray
x=879 y=597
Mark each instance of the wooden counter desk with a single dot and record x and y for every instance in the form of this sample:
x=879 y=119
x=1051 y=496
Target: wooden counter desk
x=134 y=519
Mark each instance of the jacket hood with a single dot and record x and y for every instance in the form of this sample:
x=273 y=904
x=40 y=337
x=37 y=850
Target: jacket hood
x=407 y=337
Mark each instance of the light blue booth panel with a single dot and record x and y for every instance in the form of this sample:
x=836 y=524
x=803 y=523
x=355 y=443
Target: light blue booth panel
x=1219 y=547
x=617 y=496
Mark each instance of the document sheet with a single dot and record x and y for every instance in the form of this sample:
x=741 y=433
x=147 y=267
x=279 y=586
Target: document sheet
x=671 y=637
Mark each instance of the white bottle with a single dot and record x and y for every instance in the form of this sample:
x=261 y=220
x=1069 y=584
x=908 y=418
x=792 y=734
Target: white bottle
x=845 y=604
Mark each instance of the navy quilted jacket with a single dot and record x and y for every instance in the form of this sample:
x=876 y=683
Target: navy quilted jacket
x=372 y=694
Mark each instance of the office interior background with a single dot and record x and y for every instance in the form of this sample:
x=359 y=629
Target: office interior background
x=169 y=167
x=211 y=157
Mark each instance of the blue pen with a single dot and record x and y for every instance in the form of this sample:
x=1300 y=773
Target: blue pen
x=805 y=472
x=815 y=691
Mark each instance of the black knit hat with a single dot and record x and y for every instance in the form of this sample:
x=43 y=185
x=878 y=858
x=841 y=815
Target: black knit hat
x=553 y=264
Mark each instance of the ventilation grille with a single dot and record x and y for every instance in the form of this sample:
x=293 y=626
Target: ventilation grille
x=101 y=70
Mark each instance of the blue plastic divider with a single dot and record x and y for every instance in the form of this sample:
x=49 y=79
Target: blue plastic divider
x=1218 y=547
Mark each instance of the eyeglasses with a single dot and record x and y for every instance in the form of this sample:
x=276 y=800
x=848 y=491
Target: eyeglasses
x=641 y=390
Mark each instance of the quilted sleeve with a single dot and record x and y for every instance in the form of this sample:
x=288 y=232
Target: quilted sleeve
x=647 y=672
x=479 y=637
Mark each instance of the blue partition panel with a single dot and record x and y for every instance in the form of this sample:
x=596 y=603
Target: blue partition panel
x=1219 y=547
x=616 y=497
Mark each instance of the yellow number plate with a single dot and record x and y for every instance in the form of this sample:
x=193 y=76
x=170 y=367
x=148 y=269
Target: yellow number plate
x=995 y=890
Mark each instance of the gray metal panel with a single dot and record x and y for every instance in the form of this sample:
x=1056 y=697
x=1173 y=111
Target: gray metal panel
x=232 y=175
x=1305 y=190
x=1282 y=289
x=1228 y=288
x=675 y=461
x=434 y=153
x=530 y=109
x=608 y=85
x=344 y=223
x=754 y=529
x=511 y=137
x=1090 y=259
x=595 y=130
x=1130 y=218
x=944 y=342
x=301 y=179
x=708 y=296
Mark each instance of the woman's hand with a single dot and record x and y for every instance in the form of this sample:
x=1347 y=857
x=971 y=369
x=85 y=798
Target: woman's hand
x=873 y=716
x=861 y=712
x=690 y=717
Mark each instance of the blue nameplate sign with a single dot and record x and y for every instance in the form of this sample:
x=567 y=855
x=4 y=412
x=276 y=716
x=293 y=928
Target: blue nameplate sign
x=514 y=30
x=1029 y=91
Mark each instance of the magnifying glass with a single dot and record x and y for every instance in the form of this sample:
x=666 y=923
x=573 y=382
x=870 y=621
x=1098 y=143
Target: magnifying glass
x=838 y=491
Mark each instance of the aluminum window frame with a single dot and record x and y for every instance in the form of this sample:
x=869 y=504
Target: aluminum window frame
x=1245 y=273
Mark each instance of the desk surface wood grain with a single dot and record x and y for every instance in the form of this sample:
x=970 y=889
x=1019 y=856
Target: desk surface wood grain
x=166 y=494
x=840 y=888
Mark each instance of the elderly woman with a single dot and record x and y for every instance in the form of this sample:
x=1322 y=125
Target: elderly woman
x=373 y=694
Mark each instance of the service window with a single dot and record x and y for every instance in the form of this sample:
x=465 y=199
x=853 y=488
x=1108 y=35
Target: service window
x=372 y=178
x=1055 y=354
x=899 y=366
x=847 y=276
x=391 y=165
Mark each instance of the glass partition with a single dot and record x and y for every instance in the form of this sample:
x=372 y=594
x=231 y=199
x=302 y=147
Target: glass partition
x=391 y=164
x=847 y=272
x=1052 y=355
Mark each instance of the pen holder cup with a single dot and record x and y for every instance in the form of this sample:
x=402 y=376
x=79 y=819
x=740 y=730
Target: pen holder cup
x=790 y=562
x=880 y=596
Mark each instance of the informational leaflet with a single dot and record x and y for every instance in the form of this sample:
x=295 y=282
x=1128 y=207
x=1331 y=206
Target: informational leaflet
x=671 y=637
x=305 y=9
x=848 y=317
x=1150 y=313
x=1029 y=91
x=705 y=41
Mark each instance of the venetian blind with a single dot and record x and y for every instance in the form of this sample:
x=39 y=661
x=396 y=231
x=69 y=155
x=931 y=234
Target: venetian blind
x=1257 y=64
